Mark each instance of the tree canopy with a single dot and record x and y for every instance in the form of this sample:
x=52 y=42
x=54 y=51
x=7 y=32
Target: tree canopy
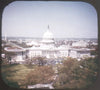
x=41 y=75
x=76 y=74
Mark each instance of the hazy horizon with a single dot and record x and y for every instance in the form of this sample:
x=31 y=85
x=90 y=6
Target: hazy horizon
x=66 y=19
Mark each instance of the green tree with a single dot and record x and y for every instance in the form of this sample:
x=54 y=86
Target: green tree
x=90 y=67
x=40 y=61
x=40 y=75
x=5 y=61
x=76 y=74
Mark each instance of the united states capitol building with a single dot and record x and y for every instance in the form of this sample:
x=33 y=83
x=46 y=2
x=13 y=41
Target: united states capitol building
x=48 y=48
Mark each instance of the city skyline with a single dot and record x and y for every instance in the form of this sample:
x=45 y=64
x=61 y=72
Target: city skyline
x=65 y=19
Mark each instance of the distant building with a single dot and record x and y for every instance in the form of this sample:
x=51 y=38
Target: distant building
x=80 y=43
x=42 y=86
x=80 y=53
x=15 y=54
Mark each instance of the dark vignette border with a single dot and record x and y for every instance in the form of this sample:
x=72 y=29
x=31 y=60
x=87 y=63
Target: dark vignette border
x=95 y=3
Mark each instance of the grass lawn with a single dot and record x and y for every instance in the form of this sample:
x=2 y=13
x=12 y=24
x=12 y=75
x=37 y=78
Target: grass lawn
x=14 y=75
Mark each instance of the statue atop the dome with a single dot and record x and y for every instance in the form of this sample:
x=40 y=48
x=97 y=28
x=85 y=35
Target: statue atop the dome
x=48 y=27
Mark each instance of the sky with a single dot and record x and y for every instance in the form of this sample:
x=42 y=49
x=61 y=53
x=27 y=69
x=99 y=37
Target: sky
x=66 y=19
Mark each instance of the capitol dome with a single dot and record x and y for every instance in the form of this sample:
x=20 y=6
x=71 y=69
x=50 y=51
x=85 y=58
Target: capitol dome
x=48 y=35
